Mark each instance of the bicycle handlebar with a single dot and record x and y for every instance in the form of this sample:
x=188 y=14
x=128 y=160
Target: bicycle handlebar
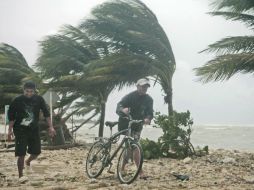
x=136 y=121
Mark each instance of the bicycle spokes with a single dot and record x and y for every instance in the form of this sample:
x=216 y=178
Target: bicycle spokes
x=130 y=163
x=95 y=160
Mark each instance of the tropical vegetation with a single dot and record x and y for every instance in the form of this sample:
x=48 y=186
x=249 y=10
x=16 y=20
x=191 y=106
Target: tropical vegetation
x=233 y=54
x=14 y=70
x=106 y=52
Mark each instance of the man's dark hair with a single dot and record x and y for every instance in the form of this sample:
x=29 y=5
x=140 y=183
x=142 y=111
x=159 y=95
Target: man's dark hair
x=29 y=85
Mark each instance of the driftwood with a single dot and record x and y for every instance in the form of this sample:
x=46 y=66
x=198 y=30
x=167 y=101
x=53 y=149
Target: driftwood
x=64 y=146
x=58 y=147
x=7 y=150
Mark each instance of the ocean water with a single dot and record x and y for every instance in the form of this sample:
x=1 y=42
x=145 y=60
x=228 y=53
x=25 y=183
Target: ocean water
x=226 y=137
x=215 y=136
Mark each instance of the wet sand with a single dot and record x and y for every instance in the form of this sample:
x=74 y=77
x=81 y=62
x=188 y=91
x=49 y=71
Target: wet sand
x=64 y=169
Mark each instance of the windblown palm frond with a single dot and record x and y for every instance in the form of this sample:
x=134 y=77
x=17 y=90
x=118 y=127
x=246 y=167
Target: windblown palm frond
x=14 y=70
x=65 y=60
x=121 y=43
x=225 y=66
x=247 y=19
x=232 y=45
x=234 y=5
x=12 y=55
x=128 y=25
x=234 y=54
x=132 y=27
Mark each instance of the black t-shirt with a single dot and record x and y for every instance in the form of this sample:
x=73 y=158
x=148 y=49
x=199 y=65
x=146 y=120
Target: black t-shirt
x=141 y=107
x=25 y=111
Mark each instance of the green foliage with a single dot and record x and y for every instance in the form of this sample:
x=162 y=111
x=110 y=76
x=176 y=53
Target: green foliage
x=130 y=27
x=150 y=149
x=119 y=44
x=175 y=141
x=201 y=151
x=14 y=70
x=233 y=54
x=122 y=42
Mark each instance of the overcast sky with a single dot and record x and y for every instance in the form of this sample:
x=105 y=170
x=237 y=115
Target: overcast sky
x=189 y=29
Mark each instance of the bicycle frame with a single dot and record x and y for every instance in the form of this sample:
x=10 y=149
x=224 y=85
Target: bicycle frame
x=119 y=147
x=104 y=155
x=112 y=137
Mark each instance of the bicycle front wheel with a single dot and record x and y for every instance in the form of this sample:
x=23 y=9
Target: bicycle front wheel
x=130 y=162
x=96 y=159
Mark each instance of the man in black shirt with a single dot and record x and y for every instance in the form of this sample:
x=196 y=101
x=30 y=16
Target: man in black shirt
x=140 y=106
x=24 y=116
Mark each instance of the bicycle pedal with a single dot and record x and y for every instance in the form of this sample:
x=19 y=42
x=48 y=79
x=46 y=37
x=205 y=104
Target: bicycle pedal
x=110 y=165
x=111 y=172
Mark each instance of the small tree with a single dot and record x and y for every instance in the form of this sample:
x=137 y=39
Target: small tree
x=175 y=141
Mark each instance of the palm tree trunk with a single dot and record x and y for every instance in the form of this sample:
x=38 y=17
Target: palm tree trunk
x=168 y=98
x=102 y=118
x=170 y=104
x=74 y=130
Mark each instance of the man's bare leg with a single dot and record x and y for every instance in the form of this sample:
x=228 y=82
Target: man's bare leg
x=30 y=159
x=136 y=157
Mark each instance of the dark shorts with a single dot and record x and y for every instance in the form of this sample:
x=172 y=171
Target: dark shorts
x=27 y=141
x=123 y=124
x=136 y=135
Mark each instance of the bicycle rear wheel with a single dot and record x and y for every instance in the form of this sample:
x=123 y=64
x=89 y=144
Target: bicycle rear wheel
x=96 y=159
x=130 y=162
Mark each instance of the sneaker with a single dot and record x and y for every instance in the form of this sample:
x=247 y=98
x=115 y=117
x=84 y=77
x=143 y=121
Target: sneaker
x=23 y=179
x=28 y=169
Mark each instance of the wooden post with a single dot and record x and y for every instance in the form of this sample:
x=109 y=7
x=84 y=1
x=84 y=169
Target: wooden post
x=51 y=106
x=6 y=122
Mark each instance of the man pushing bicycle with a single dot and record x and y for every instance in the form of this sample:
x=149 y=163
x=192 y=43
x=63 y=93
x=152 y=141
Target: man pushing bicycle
x=140 y=107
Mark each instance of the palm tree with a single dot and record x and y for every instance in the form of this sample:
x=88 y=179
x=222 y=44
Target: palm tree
x=62 y=62
x=82 y=60
x=130 y=28
x=79 y=67
x=14 y=70
x=234 y=54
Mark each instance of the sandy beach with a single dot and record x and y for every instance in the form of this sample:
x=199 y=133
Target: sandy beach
x=64 y=169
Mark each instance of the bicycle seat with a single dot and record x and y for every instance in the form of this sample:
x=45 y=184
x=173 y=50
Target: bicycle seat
x=111 y=123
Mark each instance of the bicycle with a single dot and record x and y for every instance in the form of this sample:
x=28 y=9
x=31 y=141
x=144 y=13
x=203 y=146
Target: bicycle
x=130 y=160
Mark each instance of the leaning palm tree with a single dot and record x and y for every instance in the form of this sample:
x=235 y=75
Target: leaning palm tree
x=130 y=28
x=62 y=61
x=234 y=54
x=79 y=66
x=67 y=60
x=85 y=60
x=14 y=70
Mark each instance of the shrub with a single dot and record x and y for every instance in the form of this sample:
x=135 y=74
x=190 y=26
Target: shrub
x=175 y=141
x=151 y=149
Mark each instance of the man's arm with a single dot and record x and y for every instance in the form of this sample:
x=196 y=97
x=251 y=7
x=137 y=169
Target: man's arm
x=149 y=112
x=48 y=119
x=122 y=106
x=11 y=117
x=52 y=131
x=46 y=114
x=10 y=130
